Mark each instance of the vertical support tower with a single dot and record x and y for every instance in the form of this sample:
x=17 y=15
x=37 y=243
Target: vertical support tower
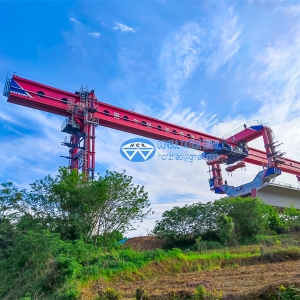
x=81 y=129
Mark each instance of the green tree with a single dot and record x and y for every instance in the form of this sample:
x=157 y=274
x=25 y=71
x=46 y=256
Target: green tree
x=91 y=210
x=225 y=229
x=178 y=224
x=185 y=224
x=11 y=204
x=250 y=216
x=124 y=204
x=276 y=223
x=291 y=216
x=11 y=209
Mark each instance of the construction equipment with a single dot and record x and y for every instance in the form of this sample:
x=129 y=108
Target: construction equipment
x=84 y=113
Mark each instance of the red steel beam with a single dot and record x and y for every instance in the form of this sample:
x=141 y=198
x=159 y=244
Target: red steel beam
x=125 y=120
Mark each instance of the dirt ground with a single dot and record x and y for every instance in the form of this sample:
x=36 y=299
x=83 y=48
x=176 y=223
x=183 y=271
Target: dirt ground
x=238 y=283
x=143 y=243
x=251 y=282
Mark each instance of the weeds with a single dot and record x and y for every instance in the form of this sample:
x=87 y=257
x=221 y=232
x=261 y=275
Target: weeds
x=286 y=293
x=201 y=293
x=141 y=294
x=109 y=294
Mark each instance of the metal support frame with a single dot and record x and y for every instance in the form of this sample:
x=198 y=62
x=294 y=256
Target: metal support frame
x=81 y=143
x=84 y=113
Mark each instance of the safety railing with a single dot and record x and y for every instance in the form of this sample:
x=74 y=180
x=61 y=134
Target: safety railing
x=70 y=104
x=7 y=87
x=242 y=181
x=65 y=123
x=272 y=182
x=241 y=128
x=285 y=184
x=67 y=139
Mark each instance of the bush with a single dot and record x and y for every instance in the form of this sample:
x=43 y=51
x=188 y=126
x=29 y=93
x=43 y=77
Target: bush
x=286 y=293
x=225 y=229
x=201 y=293
x=109 y=294
x=227 y=219
x=206 y=245
x=141 y=294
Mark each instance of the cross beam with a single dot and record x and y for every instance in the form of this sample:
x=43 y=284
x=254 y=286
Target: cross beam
x=32 y=94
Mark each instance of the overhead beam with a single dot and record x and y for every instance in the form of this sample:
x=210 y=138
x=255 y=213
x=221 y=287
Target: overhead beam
x=43 y=97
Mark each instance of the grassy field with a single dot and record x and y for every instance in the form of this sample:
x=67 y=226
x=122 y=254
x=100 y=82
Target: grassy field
x=244 y=272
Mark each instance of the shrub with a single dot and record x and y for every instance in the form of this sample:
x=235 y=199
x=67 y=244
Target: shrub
x=225 y=229
x=141 y=294
x=206 y=245
x=286 y=293
x=109 y=294
x=201 y=293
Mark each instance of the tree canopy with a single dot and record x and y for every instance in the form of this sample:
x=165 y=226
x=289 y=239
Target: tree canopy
x=226 y=220
x=75 y=207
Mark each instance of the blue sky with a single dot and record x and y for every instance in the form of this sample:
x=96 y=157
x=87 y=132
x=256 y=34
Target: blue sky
x=207 y=65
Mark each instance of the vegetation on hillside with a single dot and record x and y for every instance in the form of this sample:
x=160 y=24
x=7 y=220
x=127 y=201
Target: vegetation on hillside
x=49 y=233
x=60 y=235
x=228 y=221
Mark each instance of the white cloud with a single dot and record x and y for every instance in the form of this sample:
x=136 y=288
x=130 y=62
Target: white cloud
x=74 y=20
x=74 y=40
x=34 y=145
x=95 y=34
x=223 y=40
x=293 y=10
x=277 y=77
x=180 y=56
x=235 y=104
x=123 y=27
x=170 y=181
x=203 y=103
x=7 y=117
x=278 y=90
x=192 y=47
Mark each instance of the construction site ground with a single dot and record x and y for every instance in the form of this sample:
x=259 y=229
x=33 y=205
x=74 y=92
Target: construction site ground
x=250 y=278
x=250 y=282
x=144 y=243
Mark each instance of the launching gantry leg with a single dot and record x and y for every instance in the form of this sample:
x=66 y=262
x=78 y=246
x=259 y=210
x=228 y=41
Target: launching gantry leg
x=81 y=129
x=233 y=157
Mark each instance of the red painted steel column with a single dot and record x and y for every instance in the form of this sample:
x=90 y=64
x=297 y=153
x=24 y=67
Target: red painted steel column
x=253 y=193
x=269 y=145
x=217 y=175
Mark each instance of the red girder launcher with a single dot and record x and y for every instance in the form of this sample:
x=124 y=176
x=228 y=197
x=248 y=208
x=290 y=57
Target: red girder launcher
x=84 y=113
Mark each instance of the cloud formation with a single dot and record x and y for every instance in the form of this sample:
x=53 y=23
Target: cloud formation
x=293 y=10
x=74 y=21
x=222 y=40
x=123 y=27
x=95 y=34
x=197 y=46
x=180 y=56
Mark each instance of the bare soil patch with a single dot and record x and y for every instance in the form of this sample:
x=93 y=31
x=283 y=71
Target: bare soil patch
x=144 y=243
x=240 y=283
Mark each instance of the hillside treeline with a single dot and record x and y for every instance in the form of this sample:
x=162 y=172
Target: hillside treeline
x=61 y=232
x=226 y=222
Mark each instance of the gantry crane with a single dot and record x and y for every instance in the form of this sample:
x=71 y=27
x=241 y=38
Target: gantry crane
x=84 y=113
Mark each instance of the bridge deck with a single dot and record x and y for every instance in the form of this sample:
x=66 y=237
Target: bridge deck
x=280 y=195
